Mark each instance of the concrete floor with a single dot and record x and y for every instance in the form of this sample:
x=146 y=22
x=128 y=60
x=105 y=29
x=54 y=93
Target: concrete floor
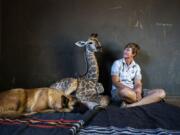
x=174 y=100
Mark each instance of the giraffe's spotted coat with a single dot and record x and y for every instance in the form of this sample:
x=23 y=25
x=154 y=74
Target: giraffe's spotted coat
x=87 y=88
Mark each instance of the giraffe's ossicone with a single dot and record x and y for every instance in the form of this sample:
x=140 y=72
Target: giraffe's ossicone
x=86 y=88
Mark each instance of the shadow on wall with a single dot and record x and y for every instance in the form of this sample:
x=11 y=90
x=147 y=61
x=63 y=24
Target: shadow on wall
x=143 y=59
x=105 y=61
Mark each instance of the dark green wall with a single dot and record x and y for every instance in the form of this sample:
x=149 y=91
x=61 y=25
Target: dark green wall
x=38 y=39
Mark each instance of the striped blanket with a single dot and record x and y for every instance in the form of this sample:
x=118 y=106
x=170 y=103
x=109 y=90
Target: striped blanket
x=41 y=123
x=45 y=124
x=111 y=130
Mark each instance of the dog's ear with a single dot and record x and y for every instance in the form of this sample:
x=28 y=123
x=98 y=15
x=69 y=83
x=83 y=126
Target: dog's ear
x=64 y=101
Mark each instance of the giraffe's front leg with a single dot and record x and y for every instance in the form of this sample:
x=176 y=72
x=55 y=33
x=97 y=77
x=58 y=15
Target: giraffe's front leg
x=104 y=100
x=72 y=86
x=90 y=104
x=68 y=85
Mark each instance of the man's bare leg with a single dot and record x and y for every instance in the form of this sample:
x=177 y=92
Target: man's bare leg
x=153 y=96
x=128 y=95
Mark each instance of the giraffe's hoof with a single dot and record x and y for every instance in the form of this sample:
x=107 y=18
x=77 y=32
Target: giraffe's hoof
x=104 y=101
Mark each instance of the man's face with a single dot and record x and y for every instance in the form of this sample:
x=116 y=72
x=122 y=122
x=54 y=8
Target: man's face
x=128 y=53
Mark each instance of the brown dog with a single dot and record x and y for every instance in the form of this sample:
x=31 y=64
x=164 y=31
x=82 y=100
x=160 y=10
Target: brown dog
x=19 y=101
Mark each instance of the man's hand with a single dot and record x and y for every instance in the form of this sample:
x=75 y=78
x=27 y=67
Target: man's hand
x=138 y=96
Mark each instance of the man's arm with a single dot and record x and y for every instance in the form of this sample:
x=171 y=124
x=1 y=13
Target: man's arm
x=117 y=82
x=138 y=89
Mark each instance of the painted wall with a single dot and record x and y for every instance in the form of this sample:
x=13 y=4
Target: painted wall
x=0 y=25
x=0 y=38
x=38 y=40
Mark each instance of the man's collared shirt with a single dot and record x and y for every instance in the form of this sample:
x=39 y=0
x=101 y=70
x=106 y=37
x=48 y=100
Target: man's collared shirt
x=127 y=73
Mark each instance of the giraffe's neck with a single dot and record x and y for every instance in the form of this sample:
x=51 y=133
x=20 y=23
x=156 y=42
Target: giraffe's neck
x=93 y=69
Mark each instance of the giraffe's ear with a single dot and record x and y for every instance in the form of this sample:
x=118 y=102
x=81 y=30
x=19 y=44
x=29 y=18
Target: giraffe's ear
x=80 y=43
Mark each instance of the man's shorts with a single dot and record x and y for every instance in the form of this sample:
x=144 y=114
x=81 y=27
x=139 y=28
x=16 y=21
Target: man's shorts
x=115 y=96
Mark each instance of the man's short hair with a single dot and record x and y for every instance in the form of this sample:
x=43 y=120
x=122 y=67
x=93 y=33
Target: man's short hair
x=135 y=48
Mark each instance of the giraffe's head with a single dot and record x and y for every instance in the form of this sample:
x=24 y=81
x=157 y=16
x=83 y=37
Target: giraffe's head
x=92 y=44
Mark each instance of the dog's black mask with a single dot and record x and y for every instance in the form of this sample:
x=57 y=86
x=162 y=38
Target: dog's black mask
x=65 y=102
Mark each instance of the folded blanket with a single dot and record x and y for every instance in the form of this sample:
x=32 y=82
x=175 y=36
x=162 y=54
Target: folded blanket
x=158 y=118
x=45 y=124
